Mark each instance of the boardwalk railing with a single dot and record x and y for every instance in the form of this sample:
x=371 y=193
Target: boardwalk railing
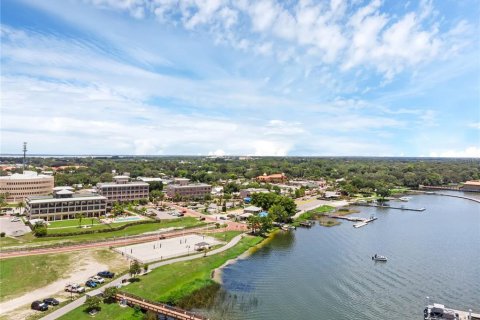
x=157 y=307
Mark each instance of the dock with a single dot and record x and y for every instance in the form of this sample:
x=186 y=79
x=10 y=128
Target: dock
x=306 y=224
x=361 y=221
x=439 y=311
x=390 y=207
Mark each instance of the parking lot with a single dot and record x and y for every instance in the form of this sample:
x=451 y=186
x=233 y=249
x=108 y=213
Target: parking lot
x=165 y=249
x=13 y=228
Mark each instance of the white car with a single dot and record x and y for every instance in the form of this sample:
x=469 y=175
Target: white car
x=74 y=288
x=97 y=279
x=15 y=219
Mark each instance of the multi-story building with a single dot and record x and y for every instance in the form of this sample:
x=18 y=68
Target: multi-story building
x=245 y=193
x=18 y=186
x=121 y=190
x=65 y=204
x=189 y=191
x=273 y=178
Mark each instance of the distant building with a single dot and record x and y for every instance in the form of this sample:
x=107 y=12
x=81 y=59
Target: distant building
x=189 y=191
x=65 y=204
x=252 y=210
x=150 y=179
x=181 y=181
x=19 y=186
x=273 y=178
x=122 y=190
x=473 y=185
x=247 y=193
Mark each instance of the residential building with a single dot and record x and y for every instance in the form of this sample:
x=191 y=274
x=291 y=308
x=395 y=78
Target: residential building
x=473 y=185
x=122 y=190
x=246 y=193
x=189 y=191
x=65 y=204
x=273 y=178
x=19 y=186
x=252 y=210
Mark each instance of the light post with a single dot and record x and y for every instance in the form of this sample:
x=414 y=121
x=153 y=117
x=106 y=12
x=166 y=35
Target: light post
x=469 y=314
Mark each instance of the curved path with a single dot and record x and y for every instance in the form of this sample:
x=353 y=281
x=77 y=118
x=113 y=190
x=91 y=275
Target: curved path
x=77 y=303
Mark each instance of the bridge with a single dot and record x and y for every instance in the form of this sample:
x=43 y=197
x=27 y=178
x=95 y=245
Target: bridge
x=160 y=308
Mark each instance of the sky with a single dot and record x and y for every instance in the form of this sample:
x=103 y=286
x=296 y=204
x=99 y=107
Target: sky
x=260 y=77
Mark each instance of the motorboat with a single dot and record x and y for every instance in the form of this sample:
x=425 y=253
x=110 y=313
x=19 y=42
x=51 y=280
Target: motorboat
x=377 y=257
x=438 y=311
x=405 y=199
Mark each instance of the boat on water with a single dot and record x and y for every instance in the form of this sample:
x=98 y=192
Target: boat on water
x=438 y=311
x=405 y=199
x=377 y=257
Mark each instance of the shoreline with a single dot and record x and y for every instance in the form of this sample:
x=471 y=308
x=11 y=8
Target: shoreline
x=218 y=272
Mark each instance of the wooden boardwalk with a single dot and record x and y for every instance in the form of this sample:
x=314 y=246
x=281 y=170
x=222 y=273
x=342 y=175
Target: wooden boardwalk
x=157 y=307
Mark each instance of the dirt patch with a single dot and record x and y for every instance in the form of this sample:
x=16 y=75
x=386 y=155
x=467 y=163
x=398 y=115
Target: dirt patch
x=83 y=265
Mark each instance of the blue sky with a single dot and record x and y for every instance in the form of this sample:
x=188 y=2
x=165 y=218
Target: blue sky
x=218 y=77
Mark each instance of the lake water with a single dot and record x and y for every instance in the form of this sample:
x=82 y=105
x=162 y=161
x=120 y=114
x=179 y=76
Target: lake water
x=327 y=273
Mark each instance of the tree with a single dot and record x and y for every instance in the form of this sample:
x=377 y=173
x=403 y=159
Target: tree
x=278 y=213
x=39 y=229
x=79 y=216
x=20 y=206
x=145 y=267
x=135 y=268
x=254 y=223
x=383 y=192
x=93 y=303
x=109 y=294
x=118 y=209
x=3 y=201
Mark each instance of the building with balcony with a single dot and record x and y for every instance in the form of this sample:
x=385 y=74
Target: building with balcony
x=65 y=204
x=18 y=186
x=122 y=190
x=189 y=191
x=273 y=178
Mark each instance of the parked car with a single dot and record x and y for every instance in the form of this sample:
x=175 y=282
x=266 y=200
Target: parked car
x=51 y=301
x=75 y=288
x=91 y=283
x=39 y=306
x=160 y=237
x=97 y=279
x=201 y=218
x=15 y=219
x=223 y=218
x=180 y=214
x=106 y=274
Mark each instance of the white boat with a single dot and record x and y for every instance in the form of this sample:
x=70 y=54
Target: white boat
x=404 y=199
x=438 y=311
x=379 y=258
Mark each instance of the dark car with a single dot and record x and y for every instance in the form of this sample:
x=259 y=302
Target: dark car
x=180 y=214
x=91 y=284
x=106 y=274
x=39 y=306
x=51 y=301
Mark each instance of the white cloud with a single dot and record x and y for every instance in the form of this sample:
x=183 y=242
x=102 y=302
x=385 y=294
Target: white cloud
x=469 y=152
x=217 y=153
x=474 y=125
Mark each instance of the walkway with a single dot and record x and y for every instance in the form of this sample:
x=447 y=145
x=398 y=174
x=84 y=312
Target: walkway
x=77 y=303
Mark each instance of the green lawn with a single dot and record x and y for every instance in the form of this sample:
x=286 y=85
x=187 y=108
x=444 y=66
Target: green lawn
x=108 y=312
x=226 y=236
x=175 y=281
x=128 y=231
x=20 y=275
x=72 y=223
x=8 y=241
x=314 y=214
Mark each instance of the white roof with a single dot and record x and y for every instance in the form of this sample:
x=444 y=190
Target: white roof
x=62 y=188
x=51 y=199
x=253 y=208
x=64 y=191
x=26 y=175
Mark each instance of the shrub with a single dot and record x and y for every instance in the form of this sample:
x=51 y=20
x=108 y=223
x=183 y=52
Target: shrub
x=2 y=234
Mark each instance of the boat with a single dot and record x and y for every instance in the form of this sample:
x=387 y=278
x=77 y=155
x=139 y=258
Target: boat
x=360 y=224
x=306 y=224
x=285 y=227
x=438 y=311
x=379 y=258
x=405 y=199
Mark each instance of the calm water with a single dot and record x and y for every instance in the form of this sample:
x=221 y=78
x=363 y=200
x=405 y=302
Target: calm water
x=327 y=273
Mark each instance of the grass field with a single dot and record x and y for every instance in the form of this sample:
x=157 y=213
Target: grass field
x=8 y=241
x=226 y=236
x=28 y=239
x=173 y=282
x=20 y=275
x=108 y=312
x=72 y=223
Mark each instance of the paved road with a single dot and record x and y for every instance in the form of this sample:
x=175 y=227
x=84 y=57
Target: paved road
x=77 y=303
x=82 y=246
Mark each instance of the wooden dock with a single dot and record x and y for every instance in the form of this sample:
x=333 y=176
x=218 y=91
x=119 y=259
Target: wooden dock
x=390 y=207
x=159 y=308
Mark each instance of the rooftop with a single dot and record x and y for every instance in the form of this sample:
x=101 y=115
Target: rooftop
x=76 y=197
x=26 y=175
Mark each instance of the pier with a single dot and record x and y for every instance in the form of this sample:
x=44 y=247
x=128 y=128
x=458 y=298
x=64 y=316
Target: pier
x=439 y=311
x=390 y=207
x=361 y=221
x=160 y=308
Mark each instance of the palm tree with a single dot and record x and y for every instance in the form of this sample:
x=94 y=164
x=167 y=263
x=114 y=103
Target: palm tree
x=79 y=216
x=21 y=205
